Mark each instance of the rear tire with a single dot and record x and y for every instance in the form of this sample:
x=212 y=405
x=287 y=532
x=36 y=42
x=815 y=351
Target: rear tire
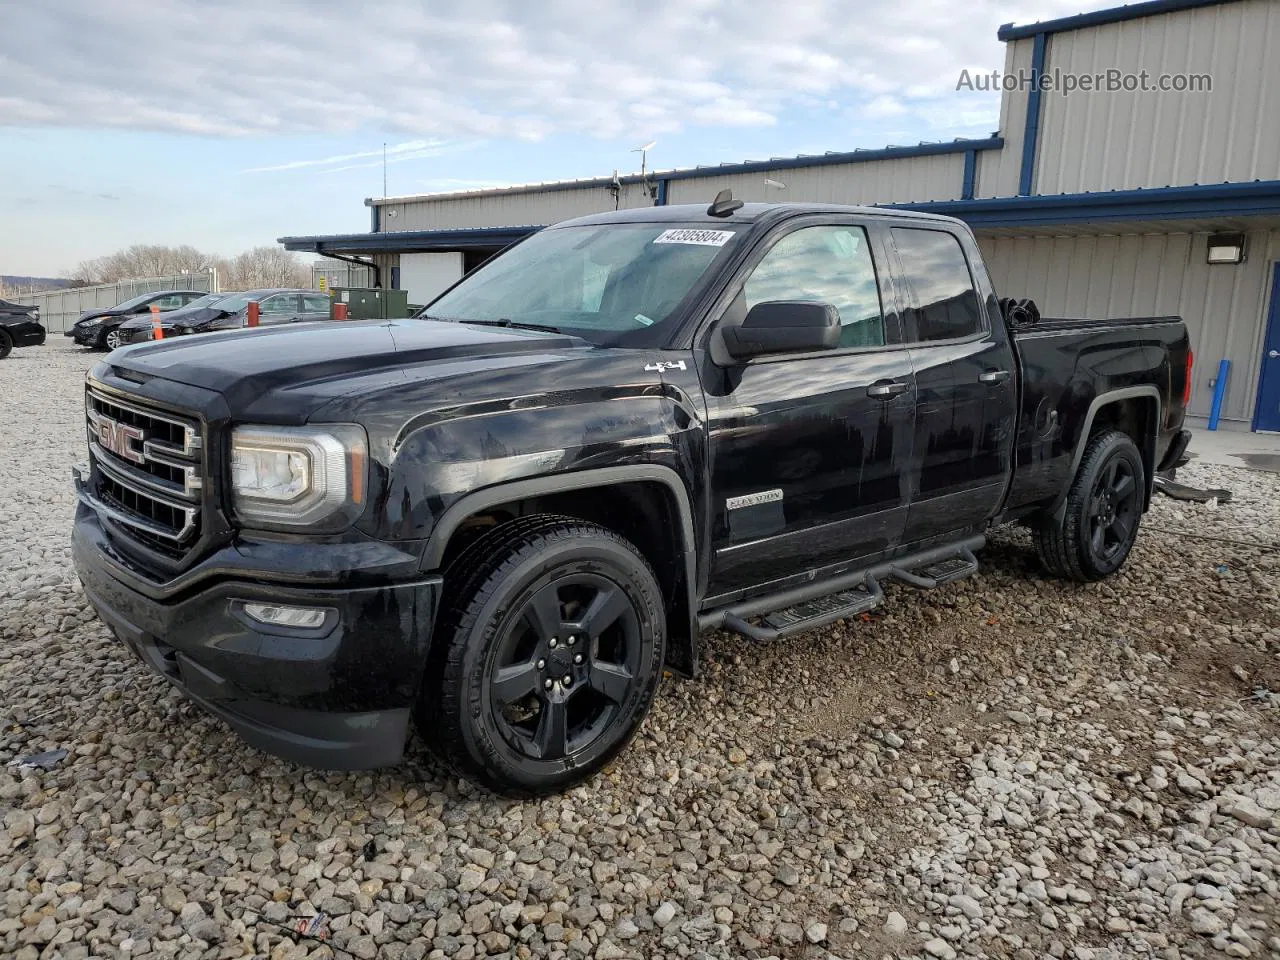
x=1102 y=514
x=6 y=344
x=548 y=653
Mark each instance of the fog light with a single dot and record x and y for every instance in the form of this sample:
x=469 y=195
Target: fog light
x=303 y=618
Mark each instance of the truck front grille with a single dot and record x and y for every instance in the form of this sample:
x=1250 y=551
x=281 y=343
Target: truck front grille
x=148 y=472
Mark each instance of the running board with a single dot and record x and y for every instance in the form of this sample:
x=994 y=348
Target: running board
x=809 y=614
x=934 y=575
x=822 y=602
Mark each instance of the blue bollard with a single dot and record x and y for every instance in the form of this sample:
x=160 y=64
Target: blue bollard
x=1219 y=393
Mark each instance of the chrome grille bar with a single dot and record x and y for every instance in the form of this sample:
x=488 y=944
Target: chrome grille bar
x=148 y=480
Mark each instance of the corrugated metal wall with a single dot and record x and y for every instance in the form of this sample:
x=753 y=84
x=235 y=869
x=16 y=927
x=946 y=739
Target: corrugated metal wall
x=1127 y=276
x=516 y=208
x=938 y=177
x=999 y=170
x=339 y=274
x=1117 y=141
x=59 y=309
x=384 y=263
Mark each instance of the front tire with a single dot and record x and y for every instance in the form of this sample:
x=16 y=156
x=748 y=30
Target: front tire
x=112 y=340
x=549 y=652
x=1102 y=513
x=6 y=344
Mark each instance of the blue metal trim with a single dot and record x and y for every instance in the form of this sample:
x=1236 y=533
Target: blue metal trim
x=1132 y=11
x=409 y=241
x=970 y=174
x=662 y=192
x=1035 y=100
x=1202 y=201
x=829 y=159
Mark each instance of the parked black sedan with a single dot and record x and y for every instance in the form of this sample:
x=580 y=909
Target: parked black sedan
x=19 y=327
x=97 y=328
x=174 y=322
x=228 y=311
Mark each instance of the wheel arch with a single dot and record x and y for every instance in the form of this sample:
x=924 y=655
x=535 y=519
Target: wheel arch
x=646 y=503
x=1132 y=410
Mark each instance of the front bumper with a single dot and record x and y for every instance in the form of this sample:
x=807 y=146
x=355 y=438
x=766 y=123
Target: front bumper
x=337 y=697
x=29 y=333
x=88 y=336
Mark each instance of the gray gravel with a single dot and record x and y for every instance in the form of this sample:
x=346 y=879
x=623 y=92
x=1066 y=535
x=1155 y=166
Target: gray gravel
x=1009 y=767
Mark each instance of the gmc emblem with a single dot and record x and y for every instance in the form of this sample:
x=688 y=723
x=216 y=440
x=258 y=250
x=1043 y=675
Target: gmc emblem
x=115 y=437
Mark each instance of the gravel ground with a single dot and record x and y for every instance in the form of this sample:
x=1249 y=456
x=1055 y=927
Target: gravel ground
x=1008 y=767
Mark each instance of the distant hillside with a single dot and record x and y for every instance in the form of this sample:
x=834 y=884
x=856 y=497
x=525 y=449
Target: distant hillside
x=25 y=284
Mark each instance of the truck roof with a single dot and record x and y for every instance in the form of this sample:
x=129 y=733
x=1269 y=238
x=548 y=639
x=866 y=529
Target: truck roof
x=747 y=213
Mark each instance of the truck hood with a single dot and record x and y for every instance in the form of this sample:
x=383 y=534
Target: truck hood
x=303 y=367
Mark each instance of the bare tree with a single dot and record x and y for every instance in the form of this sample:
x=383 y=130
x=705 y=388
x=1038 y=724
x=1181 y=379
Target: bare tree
x=265 y=267
x=143 y=260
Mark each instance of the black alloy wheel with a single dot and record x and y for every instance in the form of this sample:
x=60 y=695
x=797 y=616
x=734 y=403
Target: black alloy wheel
x=1089 y=537
x=1113 y=510
x=547 y=654
x=565 y=666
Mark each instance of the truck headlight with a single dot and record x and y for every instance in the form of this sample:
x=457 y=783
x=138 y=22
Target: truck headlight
x=299 y=476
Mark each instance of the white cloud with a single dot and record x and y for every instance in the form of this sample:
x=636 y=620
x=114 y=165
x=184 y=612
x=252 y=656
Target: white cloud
x=411 y=149
x=442 y=73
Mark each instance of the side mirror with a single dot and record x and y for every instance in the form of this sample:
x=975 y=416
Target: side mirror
x=784 y=326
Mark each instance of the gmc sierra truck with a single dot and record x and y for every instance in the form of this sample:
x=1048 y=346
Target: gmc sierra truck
x=499 y=521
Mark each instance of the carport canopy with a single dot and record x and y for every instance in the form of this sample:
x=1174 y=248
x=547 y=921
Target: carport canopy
x=344 y=245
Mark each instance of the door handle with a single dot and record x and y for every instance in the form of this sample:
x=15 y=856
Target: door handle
x=993 y=376
x=886 y=390
x=1274 y=354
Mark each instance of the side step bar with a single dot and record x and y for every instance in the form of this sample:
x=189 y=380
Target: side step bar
x=821 y=602
x=810 y=614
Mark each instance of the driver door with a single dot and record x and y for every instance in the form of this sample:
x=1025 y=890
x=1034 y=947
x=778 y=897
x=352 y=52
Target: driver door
x=809 y=452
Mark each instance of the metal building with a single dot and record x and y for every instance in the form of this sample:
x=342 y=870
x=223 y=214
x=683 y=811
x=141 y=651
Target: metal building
x=1098 y=203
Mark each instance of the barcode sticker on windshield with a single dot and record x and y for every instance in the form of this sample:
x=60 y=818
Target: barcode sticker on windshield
x=703 y=238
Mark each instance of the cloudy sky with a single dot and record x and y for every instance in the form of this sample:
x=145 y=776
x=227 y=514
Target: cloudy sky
x=228 y=123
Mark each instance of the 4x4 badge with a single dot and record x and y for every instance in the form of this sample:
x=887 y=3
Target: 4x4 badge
x=665 y=365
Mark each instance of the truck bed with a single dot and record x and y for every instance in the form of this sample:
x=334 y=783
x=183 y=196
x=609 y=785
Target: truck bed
x=1065 y=365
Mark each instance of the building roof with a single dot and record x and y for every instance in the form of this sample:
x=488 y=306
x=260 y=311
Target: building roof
x=961 y=145
x=1196 y=202
x=409 y=241
x=1097 y=18
x=1201 y=203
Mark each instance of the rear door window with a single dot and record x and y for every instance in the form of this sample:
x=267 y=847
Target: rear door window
x=942 y=301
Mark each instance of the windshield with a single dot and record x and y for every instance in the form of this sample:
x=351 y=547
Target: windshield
x=607 y=283
x=136 y=301
x=238 y=301
x=207 y=300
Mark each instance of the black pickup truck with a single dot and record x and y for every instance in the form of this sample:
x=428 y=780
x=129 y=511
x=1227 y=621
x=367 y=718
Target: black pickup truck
x=502 y=519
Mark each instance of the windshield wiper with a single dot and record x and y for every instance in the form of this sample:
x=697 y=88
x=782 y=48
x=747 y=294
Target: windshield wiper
x=517 y=324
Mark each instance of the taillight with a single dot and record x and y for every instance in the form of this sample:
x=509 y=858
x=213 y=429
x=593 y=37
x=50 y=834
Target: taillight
x=1186 y=390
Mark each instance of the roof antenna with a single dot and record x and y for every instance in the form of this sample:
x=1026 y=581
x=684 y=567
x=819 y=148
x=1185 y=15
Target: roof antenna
x=724 y=204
